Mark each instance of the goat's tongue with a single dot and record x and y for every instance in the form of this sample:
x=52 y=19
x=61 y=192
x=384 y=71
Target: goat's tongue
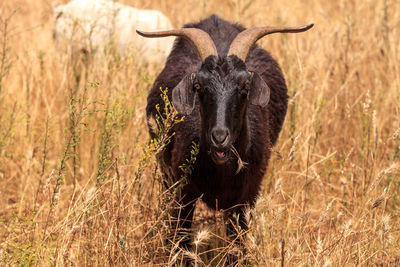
x=220 y=154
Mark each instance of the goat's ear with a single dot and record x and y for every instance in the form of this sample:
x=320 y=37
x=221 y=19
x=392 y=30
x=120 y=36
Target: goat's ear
x=183 y=95
x=259 y=92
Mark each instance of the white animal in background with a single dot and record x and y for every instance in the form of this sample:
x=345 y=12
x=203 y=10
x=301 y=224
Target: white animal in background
x=92 y=25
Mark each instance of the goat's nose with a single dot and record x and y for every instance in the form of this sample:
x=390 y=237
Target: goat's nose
x=219 y=136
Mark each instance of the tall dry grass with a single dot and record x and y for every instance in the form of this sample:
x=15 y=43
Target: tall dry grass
x=78 y=179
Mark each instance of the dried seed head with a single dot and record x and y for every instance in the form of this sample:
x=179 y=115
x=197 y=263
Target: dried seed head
x=192 y=255
x=247 y=215
x=386 y=223
x=90 y=193
x=367 y=103
x=327 y=263
x=277 y=187
x=153 y=125
x=202 y=236
x=374 y=123
x=347 y=228
x=293 y=148
x=395 y=135
x=390 y=170
x=319 y=245
x=325 y=214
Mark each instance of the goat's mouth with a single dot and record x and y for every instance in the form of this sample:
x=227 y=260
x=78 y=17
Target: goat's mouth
x=219 y=156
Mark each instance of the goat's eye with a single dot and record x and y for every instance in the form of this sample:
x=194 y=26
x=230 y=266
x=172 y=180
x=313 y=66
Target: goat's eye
x=197 y=86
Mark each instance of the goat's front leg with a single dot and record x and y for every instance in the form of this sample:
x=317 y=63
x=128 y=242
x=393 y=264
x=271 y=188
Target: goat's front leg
x=181 y=220
x=235 y=230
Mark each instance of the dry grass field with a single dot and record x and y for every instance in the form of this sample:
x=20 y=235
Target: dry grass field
x=79 y=184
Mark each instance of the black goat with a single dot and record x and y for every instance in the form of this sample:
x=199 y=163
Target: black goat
x=235 y=98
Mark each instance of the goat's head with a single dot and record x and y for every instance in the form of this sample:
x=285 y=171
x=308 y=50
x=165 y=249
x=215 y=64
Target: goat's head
x=223 y=86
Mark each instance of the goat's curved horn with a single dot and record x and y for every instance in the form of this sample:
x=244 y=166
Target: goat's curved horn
x=199 y=38
x=243 y=42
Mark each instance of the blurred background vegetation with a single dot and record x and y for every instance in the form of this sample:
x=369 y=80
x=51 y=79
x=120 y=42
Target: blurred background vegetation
x=79 y=184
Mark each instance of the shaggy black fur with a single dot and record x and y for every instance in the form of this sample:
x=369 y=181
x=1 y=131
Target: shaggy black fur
x=218 y=184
